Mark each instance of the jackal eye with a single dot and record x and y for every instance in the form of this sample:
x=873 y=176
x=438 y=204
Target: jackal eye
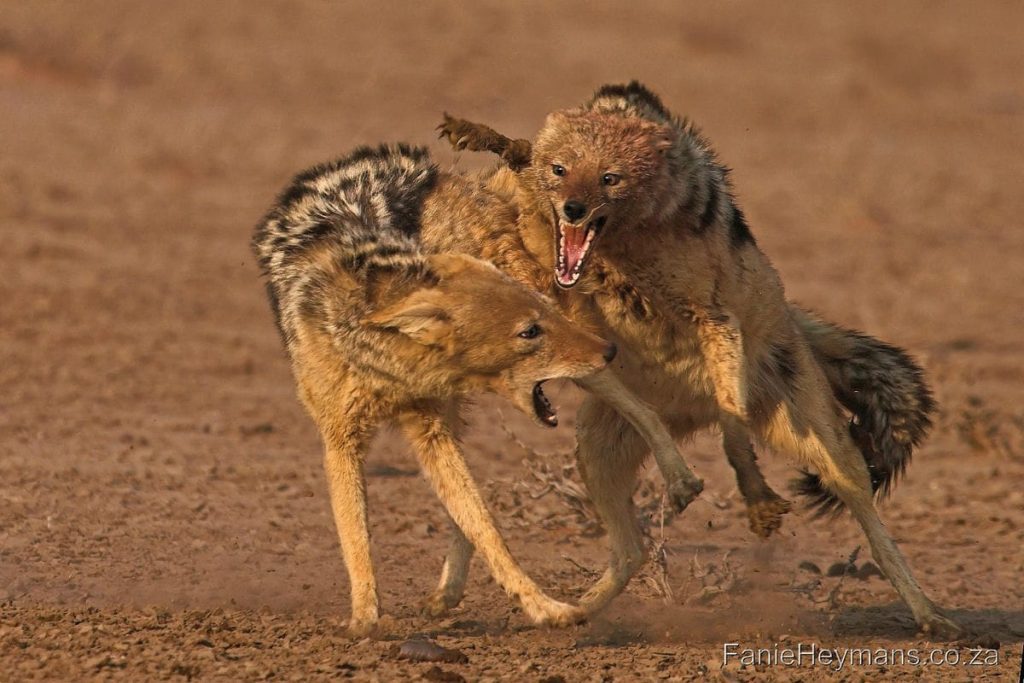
x=558 y=169
x=531 y=332
x=611 y=178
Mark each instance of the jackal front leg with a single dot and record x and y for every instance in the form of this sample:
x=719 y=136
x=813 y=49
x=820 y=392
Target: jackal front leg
x=438 y=451
x=682 y=485
x=343 y=464
x=722 y=345
x=765 y=508
x=476 y=137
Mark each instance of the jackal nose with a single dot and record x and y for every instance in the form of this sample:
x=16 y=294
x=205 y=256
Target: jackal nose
x=574 y=210
x=609 y=352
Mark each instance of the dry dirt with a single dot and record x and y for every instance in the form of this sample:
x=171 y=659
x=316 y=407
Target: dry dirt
x=163 y=510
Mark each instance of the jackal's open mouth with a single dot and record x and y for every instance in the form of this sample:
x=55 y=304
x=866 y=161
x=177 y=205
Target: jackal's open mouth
x=542 y=406
x=573 y=243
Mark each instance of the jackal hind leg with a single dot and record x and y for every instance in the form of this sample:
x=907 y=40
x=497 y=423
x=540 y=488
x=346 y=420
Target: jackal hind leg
x=609 y=451
x=809 y=425
x=765 y=507
x=437 y=448
x=454 y=574
x=476 y=137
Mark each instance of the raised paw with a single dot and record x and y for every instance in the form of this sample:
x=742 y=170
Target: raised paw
x=682 y=492
x=462 y=134
x=766 y=515
x=476 y=137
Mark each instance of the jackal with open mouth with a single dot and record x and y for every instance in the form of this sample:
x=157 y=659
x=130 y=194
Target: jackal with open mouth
x=380 y=328
x=627 y=207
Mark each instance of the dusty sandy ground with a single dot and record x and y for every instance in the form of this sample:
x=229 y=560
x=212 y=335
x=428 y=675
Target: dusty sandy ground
x=163 y=510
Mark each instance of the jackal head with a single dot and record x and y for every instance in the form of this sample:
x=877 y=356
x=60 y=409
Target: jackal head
x=480 y=330
x=598 y=174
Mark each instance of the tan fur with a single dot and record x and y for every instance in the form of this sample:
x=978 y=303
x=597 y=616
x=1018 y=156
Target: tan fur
x=441 y=331
x=706 y=334
x=380 y=329
x=478 y=217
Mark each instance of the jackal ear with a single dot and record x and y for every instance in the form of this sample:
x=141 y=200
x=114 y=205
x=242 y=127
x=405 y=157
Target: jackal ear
x=557 y=117
x=446 y=266
x=419 y=316
x=554 y=117
x=663 y=139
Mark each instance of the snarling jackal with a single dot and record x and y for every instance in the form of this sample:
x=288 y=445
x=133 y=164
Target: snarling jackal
x=627 y=208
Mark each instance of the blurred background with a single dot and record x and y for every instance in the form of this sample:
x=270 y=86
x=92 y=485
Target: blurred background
x=151 y=448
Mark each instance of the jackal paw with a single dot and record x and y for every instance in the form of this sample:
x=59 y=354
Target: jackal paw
x=766 y=515
x=438 y=604
x=476 y=137
x=548 y=612
x=604 y=591
x=370 y=627
x=461 y=134
x=940 y=627
x=682 y=492
x=361 y=628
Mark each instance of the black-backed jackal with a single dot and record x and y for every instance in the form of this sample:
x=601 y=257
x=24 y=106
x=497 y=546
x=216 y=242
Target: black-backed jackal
x=380 y=328
x=626 y=207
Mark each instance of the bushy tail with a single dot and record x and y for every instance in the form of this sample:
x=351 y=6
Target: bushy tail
x=886 y=394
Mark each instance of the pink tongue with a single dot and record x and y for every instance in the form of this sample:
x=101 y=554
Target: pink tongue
x=575 y=239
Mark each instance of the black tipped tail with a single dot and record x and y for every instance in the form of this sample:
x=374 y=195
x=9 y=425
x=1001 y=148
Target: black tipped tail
x=889 y=403
x=818 y=499
x=884 y=469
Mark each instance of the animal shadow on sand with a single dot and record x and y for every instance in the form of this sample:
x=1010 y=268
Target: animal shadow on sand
x=894 y=621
